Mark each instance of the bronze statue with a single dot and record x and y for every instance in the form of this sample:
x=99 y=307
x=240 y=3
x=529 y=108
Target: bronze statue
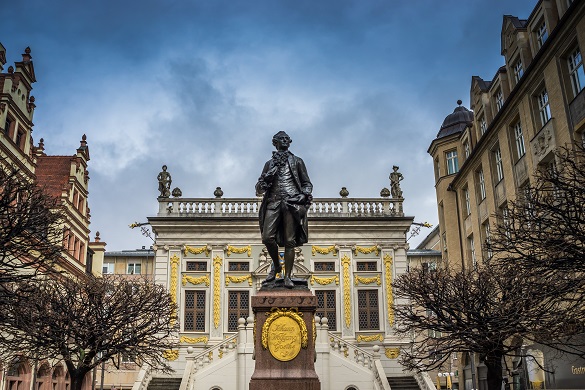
x=164 y=183
x=283 y=213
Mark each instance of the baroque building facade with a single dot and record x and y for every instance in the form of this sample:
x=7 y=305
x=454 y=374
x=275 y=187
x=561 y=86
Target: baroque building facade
x=65 y=178
x=485 y=156
x=209 y=254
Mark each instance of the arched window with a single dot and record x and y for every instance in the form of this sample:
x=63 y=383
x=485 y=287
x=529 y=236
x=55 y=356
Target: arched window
x=18 y=375
x=43 y=377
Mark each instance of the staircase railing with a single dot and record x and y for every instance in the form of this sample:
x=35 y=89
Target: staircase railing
x=202 y=359
x=143 y=378
x=362 y=357
x=424 y=381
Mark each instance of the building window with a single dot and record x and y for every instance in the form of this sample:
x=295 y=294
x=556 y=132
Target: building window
x=505 y=220
x=482 y=125
x=487 y=234
x=108 y=268
x=499 y=164
x=326 y=307
x=367 y=266
x=541 y=34
x=576 y=71
x=518 y=70
x=472 y=256
x=499 y=99
x=368 y=311
x=200 y=266
x=452 y=162
x=519 y=137
x=544 y=107
x=194 y=310
x=481 y=183
x=20 y=137
x=466 y=148
x=134 y=268
x=467 y=202
x=237 y=308
x=8 y=125
x=324 y=266
x=239 y=266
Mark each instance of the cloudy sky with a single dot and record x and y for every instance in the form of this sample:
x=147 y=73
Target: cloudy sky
x=202 y=85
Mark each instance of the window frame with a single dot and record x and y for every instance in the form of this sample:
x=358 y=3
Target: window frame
x=576 y=68
x=499 y=98
x=541 y=33
x=195 y=310
x=107 y=265
x=543 y=102
x=452 y=162
x=519 y=139
x=237 y=310
x=481 y=185
x=498 y=162
x=518 y=70
x=369 y=309
x=327 y=293
x=467 y=200
x=134 y=264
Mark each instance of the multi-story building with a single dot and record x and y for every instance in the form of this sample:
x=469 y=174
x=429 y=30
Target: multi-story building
x=63 y=177
x=486 y=156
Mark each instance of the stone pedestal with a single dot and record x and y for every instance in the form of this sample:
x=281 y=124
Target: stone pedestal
x=284 y=340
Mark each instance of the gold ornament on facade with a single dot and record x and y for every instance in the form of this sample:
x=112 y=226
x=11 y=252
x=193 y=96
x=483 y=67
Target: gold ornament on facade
x=232 y=249
x=217 y=261
x=392 y=353
x=198 y=250
x=324 y=250
x=370 y=338
x=196 y=280
x=175 y=261
x=324 y=281
x=374 y=279
x=238 y=279
x=284 y=333
x=389 y=296
x=194 y=340
x=314 y=331
x=345 y=261
x=366 y=250
x=171 y=354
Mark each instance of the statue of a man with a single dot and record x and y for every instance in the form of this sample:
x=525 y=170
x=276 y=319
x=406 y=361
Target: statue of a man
x=283 y=213
x=395 y=179
x=164 y=183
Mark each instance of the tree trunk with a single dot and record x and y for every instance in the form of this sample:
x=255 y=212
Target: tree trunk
x=77 y=379
x=493 y=364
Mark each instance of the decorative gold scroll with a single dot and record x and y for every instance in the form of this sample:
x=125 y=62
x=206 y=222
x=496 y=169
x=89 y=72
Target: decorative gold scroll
x=367 y=339
x=196 y=280
x=194 y=340
x=232 y=249
x=238 y=279
x=217 y=261
x=366 y=250
x=175 y=261
x=392 y=353
x=374 y=279
x=198 y=250
x=171 y=354
x=345 y=261
x=314 y=331
x=389 y=297
x=324 y=250
x=324 y=281
x=293 y=313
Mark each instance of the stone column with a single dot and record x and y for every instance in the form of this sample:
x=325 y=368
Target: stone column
x=284 y=340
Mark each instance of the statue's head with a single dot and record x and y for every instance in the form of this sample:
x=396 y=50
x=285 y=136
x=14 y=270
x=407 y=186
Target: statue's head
x=281 y=140
x=164 y=167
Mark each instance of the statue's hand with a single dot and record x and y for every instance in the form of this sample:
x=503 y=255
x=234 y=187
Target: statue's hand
x=297 y=199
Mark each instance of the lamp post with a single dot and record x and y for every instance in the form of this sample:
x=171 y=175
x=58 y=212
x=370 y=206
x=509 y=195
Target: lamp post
x=447 y=375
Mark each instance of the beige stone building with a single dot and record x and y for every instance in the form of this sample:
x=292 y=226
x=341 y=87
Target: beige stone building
x=484 y=156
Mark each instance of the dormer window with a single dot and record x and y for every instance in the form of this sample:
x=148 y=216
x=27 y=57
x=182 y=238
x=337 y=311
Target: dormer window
x=541 y=34
x=518 y=70
x=499 y=99
x=482 y=125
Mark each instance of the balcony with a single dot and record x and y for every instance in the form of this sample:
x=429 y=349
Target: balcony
x=249 y=207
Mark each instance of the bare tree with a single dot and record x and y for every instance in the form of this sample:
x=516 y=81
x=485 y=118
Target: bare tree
x=89 y=321
x=487 y=311
x=30 y=228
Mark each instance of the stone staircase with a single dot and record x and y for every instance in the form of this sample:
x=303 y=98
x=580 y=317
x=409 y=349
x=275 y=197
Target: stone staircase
x=403 y=383
x=164 y=384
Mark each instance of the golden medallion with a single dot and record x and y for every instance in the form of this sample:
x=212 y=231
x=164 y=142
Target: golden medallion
x=284 y=339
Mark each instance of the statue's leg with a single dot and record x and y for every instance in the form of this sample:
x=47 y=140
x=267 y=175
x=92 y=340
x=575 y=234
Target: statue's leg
x=289 y=230
x=271 y=223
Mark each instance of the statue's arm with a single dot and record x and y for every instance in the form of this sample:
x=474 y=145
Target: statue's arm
x=263 y=185
x=306 y=185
